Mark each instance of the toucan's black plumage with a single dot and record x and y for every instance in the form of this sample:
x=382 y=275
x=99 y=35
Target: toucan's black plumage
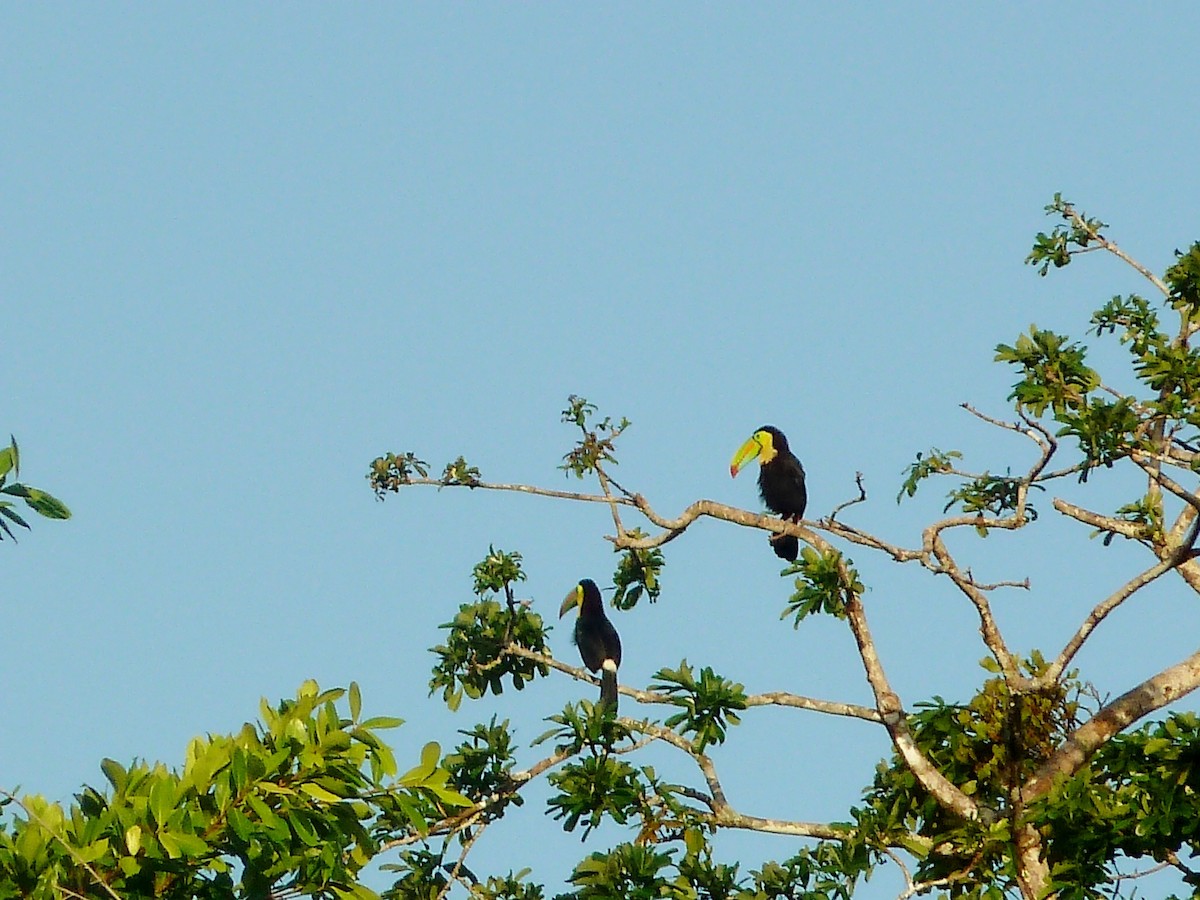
x=780 y=482
x=598 y=642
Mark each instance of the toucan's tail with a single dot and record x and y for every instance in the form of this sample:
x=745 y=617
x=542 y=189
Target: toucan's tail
x=608 y=685
x=786 y=546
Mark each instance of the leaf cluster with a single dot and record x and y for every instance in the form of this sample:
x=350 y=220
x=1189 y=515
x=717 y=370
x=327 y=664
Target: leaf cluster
x=825 y=871
x=709 y=703
x=300 y=802
x=481 y=766
x=390 y=472
x=988 y=747
x=597 y=443
x=460 y=472
x=935 y=462
x=823 y=584
x=990 y=495
x=38 y=500
x=1065 y=240
x=473 y=660
x=1139 y=797
x=638 y=572
x=1054 y=374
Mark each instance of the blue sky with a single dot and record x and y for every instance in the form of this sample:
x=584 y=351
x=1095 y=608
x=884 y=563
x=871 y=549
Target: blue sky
x=246 y=249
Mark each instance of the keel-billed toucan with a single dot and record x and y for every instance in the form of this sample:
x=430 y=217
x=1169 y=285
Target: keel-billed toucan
x=780 y=482
x=596 y=638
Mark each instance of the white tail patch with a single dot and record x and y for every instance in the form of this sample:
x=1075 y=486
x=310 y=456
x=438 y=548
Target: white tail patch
x=608 y=666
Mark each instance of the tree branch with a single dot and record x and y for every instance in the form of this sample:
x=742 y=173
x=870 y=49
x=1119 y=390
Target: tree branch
x=1153 y=693
x=1080 y=222
x=723 y=815
x=772 y=698
x=1098 y=614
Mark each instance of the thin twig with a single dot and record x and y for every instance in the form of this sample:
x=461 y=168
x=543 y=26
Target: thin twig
x=1112 y=248
x=861 y=498
x=462 y=857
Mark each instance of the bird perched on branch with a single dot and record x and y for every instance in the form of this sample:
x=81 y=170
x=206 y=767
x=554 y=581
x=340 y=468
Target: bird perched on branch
x=597 y=640
x=780 y=482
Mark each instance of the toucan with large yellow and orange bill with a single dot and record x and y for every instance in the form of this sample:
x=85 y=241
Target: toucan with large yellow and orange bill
x=597 y=640
x=780 y=482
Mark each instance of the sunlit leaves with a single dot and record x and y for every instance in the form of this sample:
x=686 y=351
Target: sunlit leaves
x=1065 y=240
x=627 y=871
x=991 y=495
x=473 y=660
x=1105 y=430
x=823 y=583
x=1136 y=319
x=710 y=703
x=1145 y=512
x=38 y=500
x=598 y=441
x=595 y=787
x=391 y=472
x=637 y=573
x=497 y=572
x=1054 y=374
x=297 y=800
x=460 y=472
x=481 y=765
x=1137 y=797
x=583 y=725
x=935 y=462
x=1183 y=281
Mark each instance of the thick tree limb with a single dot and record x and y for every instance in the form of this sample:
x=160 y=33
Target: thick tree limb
x=1152 y=694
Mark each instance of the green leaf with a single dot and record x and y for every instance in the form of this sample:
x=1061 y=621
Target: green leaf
x=133 y=839
x=431 y=753
x=162 y=799
x=8 y=512
x=378 y=722
x=114 y=772
x=355 y=701
x=47 y=505
x=319 y=793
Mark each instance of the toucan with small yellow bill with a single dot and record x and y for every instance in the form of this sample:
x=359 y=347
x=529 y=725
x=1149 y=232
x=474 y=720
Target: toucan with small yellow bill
x=780 y=482
x=597 y=640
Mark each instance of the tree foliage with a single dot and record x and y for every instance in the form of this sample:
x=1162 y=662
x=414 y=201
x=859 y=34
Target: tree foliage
x=1033 y=786
x=35 y=499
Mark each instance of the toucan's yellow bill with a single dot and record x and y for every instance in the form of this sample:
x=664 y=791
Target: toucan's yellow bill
x=748 y=451
x=572 y=600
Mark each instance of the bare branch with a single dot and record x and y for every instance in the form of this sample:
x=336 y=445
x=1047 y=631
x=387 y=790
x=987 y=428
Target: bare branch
x=723 y=815
x=861 y=498
x=1080 y=222
x=462 y=858
x=1038 y=436
x=523 y=489
x=773 y=698
x=1131 y=530
x=989 y=631
x=1098 y=614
